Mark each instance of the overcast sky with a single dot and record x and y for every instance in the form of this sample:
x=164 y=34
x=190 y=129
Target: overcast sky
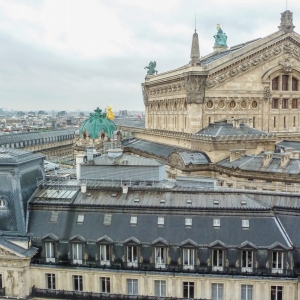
x=80 y=54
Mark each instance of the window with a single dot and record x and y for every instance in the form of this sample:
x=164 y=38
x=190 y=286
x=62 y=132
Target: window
x=133 y=220
x=294 y=103
x=245 y=223
x=105 y=254
x=2 y=203
x=104 y=284
x=217 y=222
x=275 y=103
x=80 y=219
x=217 y=291
x=247 y=261
x=1 y=283
x=274 y=122
x=54 y=217
x=160 y=257
x=276 y=292
x=50 y=251
x=77 y=283
x=246 y=292
x=77 y=253
x=277 y=262
x=132 y=286
x=160 y=221
x=132 y=256
x=285 y=82
x=50 y=281
x=294 y=121
x=160 y=288
x=284 y=122
x=275 y=83
x=217 y=260
x=107 y=219
x=188 y=221
x=253 y=122
x=294 y=84
x=188 y=289
x=285 y=103
x=188 y=258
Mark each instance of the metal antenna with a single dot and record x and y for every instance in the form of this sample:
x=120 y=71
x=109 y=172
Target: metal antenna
x=286 y=4
x=195 y=23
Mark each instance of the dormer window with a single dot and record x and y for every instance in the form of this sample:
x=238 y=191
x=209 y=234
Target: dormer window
x=245 y=223
x=50 y=252
x=247 y=261
x=77 y=253
x=160 y=254
x=188 y=222
x=277 y=262
x=161 y=221
x=105 y=255
x=188 y=258
x=216 y=223
x=80 y=218
x=132 y=256
x=217 y=260
x=133 y=220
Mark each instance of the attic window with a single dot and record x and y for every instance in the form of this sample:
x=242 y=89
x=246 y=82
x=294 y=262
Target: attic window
x=137 y=200
x=189 y=202
x=2 y=203
x=245 y=223
x=54 y=216
x=216 y=202
x=243 y=202
x=114 y=195
x=160 y=221
x=188 y=222
x=107 y=219
x=80 y=219
x=217 y=223
x=133 y=220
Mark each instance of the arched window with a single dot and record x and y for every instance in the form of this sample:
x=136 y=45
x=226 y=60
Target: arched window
x=275 y=83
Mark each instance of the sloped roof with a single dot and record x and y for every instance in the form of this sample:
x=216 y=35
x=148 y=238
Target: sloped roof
x=8 y=155
x=194 y=158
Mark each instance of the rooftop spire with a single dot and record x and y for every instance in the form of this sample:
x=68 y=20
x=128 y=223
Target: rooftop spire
x=195 y=52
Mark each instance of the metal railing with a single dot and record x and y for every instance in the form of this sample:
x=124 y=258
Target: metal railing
x=62 y=294
x=193 y=269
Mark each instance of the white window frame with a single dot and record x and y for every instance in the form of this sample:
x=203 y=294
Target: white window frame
x=277 y=288
x=50 y=252
x=2 y=203
x=245 y=224
x=80 y=218
x=246 y=292
x=132 y=261
x=106 y=281
x=190 y=285
x=161 y=221
x=217 y=222
x=104 y=254
x=160 y=254
x=247 y=263
x=276 y=268
x=219 y=288
x=132 y=287
x=159 y=288
x=188 y=258
x=133 y=220
x=189 y=222
x=77 y=253
x=219 y=264
x=79 y=279
x=50 y=285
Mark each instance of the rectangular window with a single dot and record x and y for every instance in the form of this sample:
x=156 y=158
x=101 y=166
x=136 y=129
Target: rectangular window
x=284 y=122
x=77 y=283
x=217 y=222
x=1 y=283
x=276 y=292
x=132 y=256
x=105 y=254
x=160 y=221
x=294 y=121
x=80 y=219
x=50 y=281
x=132 y=286
x=160 y=288
x=246 y=292
x=277 y=262
x=275 y=84
x=188 y=258
x=247 y=261
x=217 y=260
x=160 y=257
x=50 y=252
x=133 y=220
x=294 y=103
x=275 y=103
x=274 y=122
x=188 y=221
x=77 y=253
x=294 y=84
x=285 y=82
x=245 y=223
x=217 y=291
x=188 y=289
x=285 y=103
x=104 y=284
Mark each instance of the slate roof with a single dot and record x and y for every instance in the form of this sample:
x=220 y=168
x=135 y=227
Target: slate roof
x=130 y=122
x=13 y=156
x=291 y=224
x=289 y=144
x=217 y=55
x=227 y=129
x=17 y=249
x=194 y=158
x=255 y=163
x=8 y=221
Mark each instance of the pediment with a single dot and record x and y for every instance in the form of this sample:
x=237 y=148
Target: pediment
x=188 y=243
x=132 y=241
x=77 y=239
x=105 y=240
x=278 y=247
x=217 y=245
x=160 y=242
x=4 y=253
x=247 y=245
x=50 y=238
x=285 y=49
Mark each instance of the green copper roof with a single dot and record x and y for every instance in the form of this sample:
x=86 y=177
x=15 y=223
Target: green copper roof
x=97 y=123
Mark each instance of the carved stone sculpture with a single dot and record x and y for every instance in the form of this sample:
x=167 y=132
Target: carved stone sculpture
x=195 y=88
x=288 y=63
x=9 y=284
x=21 y=286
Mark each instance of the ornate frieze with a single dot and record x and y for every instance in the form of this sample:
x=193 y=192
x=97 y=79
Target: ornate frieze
x=287 y=64
x=232 y=103
x=195 y=88
x=167 y=89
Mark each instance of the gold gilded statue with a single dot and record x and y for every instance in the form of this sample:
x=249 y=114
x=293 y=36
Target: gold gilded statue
x=109 y=113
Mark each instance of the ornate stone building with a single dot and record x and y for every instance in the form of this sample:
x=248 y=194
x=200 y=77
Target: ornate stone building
x=258 y=79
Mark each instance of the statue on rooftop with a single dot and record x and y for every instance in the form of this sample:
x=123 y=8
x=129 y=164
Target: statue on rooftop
x=220 y=38
x=151 y=68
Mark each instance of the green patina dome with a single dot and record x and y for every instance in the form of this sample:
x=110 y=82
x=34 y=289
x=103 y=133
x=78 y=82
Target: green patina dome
x=96 y=124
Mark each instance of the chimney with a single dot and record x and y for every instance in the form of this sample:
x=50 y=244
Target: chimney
x=267 y=158
x=79 y=160
x=284 y=159
x=125 y=188
x=83 y=188
x=195 y=51
x=236 y=154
